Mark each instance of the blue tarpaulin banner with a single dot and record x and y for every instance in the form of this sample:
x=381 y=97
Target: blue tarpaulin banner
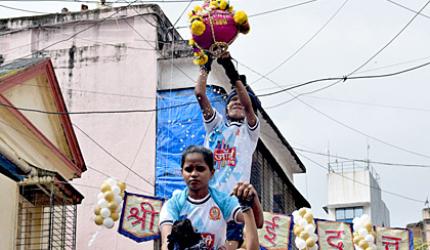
x=177 y=128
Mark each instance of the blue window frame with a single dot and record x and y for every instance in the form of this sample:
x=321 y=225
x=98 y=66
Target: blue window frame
x=347 y=214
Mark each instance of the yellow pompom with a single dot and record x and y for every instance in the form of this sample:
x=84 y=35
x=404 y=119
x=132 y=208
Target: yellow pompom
x=223 y=4
x=240 y=17
x=201 y=60
x=214 y=4
x=230 y=8
x=191 y=42
x=198 y=28
x=190 y=14
x=197 y=8
x=204 y=59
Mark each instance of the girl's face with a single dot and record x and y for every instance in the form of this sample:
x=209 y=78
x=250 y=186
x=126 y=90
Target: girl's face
x=196 y=172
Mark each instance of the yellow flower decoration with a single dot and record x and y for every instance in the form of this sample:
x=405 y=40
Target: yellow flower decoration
x=223 y=4
x=240 y=17
x=198 y=27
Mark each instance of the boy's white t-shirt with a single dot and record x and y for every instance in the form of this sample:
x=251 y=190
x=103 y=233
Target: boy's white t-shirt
x=207 y=217
x=233 y=144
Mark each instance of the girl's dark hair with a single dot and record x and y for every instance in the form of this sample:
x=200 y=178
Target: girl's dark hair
x=208 y=157
x=183 y=236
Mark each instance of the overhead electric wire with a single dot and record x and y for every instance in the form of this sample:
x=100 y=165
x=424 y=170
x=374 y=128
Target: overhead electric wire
x=407 y=8
x=194 y=102
x=374 y=55
x=347 y=126
x=76 y=33
x=145 y=133
x=111 y=155
x=362 y=71
x=304 y=44
x=24 y=10
x=339 y=79
x=182 y=13
x=369 y=104
x=106 y=175
x=42 y=144
x=344 y=78
x=109 y=2
x=281 y=8
x=365 y=184
x=364 y=161
x=151 y=110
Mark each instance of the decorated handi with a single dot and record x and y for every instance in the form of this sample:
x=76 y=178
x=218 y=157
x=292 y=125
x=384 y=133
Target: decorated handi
x=214 y=26
x=364 y=235
x=304 y=229
x=109 y=202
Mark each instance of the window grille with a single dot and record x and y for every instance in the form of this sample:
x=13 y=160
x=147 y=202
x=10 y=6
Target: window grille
x=46 y=219
x=271 y=183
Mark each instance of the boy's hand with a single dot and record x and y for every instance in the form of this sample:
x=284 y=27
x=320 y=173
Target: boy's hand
x=245 y=192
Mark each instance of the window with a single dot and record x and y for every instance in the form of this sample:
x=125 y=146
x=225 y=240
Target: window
x=347 y=214
x=271 y=183
x=340 y=214
x=46 y=219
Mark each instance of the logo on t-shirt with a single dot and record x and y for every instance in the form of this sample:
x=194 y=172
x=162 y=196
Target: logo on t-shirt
x=224 y=155
x=214 y=213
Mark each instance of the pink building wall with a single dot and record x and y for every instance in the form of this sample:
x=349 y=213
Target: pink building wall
x=110 y=66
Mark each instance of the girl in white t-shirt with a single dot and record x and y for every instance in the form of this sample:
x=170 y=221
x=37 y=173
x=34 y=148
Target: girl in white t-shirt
x=207 y=209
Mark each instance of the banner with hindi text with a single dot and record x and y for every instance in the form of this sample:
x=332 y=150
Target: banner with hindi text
x=140 y=217
x=393 y=239
x=275 y=234
x=334 y=235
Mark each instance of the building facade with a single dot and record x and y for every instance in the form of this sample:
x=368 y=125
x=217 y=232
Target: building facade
x=129 y=60
x=353 y=190
x=421 y=231
x=39 y=154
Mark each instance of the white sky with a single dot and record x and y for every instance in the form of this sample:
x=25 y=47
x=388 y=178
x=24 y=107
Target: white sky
x=359 y=30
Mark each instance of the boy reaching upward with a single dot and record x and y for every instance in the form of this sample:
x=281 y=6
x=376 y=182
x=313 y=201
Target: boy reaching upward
x=232 y=139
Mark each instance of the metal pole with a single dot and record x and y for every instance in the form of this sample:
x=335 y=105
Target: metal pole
x=51 y=217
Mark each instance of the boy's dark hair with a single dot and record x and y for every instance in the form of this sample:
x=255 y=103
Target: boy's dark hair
x=254 y=99
x=183 y=237
x=207 y=154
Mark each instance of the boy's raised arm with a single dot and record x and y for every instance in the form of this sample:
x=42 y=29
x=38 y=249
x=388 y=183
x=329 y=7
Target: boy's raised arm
x=237 y=83
x=200 y=91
